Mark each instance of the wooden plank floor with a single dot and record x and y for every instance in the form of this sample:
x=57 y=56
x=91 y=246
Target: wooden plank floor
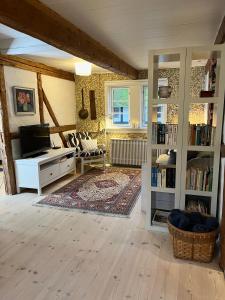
x=47 y=253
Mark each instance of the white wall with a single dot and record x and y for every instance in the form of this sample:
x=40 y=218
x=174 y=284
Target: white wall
x=21 y=78
x=60 y=93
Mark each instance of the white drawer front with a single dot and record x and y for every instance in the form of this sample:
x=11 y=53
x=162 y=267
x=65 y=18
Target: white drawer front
x=67 y=165
x=48 y=174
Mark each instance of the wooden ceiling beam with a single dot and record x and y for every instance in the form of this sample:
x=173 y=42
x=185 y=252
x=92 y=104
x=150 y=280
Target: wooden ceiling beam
x=25 y=64
x=36 y=19
x=220 y=38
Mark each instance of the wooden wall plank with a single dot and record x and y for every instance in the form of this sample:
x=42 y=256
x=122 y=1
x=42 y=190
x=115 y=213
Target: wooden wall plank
x=5 y=140
x=36 y=19
x=26 y=64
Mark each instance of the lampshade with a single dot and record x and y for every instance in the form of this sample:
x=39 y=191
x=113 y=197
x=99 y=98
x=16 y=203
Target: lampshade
x=83 y=68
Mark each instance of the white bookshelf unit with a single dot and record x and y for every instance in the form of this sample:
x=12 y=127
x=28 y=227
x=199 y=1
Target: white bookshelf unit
x=184 y=131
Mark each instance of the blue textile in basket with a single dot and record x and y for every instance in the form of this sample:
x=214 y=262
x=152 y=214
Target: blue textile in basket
x=192 y=221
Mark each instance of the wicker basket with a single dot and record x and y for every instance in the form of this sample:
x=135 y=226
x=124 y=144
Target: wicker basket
x=193 y=245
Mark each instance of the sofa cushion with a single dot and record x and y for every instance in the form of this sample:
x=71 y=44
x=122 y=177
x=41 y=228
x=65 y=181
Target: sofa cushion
x=89 y=145
x=75 y=138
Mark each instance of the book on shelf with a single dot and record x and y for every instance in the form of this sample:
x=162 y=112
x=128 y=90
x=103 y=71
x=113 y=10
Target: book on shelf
x=163 y=178
x=164 y=134
x=201 y=135
x=198 y=203
x=199 y=179
x=160 y=218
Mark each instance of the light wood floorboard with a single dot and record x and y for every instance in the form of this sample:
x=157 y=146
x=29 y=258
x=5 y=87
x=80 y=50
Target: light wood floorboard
x=47 y=254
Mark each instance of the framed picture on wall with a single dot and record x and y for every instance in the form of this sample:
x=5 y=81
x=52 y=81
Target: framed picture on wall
x=24 y=101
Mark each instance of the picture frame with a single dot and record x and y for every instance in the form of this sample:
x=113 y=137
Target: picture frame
x=24 y=100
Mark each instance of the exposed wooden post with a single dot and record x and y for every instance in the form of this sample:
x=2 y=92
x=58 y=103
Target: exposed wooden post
x=40 y=98
x=5 y=140
x=220 y=38
x=52 y=115
x=26 y=64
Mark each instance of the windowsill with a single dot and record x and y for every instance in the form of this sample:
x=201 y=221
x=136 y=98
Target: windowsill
x=128 y=130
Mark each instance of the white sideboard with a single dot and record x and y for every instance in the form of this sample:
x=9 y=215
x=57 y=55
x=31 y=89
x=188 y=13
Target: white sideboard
x=40 y=171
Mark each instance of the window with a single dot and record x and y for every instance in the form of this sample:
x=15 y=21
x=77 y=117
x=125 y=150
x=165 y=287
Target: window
x=145 y=106
x=120 y=106
x=126 y=104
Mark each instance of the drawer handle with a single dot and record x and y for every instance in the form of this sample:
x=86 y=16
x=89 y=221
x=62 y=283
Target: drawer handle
x=51 y=174
x=68 y=166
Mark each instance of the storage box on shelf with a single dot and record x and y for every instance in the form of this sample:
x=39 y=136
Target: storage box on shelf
x=184 y=116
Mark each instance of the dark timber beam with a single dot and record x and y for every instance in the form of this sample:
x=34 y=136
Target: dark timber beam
x=37 y=20
x=40 y=98
x=29 y=65
x=54 y=119
x=5 y=140
x=220 y=38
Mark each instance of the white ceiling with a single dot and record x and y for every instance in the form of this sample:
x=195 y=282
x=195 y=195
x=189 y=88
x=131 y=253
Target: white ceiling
x=130 y=28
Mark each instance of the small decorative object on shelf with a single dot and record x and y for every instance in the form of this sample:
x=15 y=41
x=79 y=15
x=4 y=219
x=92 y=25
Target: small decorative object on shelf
x=209 y=80
x=206 y=94
x=164 y=91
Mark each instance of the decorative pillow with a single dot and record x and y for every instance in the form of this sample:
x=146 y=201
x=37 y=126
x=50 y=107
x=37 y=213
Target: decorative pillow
x=162 y=159
x=75 y=138
x=89 y=145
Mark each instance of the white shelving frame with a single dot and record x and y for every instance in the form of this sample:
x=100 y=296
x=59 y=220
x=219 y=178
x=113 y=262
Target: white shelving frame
x=183 y=100
x=215 y=149
x=179 y=100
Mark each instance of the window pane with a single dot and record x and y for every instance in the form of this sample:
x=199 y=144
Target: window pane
x=120 y=106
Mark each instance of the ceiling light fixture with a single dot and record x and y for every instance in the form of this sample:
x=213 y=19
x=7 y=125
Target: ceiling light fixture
x=83 y=68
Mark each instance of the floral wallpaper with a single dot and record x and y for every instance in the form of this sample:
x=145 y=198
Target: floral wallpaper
x=196 y=114
x=96 y=82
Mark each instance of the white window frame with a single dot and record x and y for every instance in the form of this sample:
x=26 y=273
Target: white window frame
x=135 y=104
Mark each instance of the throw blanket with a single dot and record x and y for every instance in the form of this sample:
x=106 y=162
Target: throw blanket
x=192 y=221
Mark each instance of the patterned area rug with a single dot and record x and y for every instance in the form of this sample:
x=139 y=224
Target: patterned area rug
x=113 y=191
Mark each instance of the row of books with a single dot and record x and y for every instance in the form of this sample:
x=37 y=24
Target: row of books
x=164 y=178
x=201 y=135
x=164 y=134
x=199 y=179
x=197 y=205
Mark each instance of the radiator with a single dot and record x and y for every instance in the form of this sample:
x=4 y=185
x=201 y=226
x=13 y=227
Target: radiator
x=128 y=152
